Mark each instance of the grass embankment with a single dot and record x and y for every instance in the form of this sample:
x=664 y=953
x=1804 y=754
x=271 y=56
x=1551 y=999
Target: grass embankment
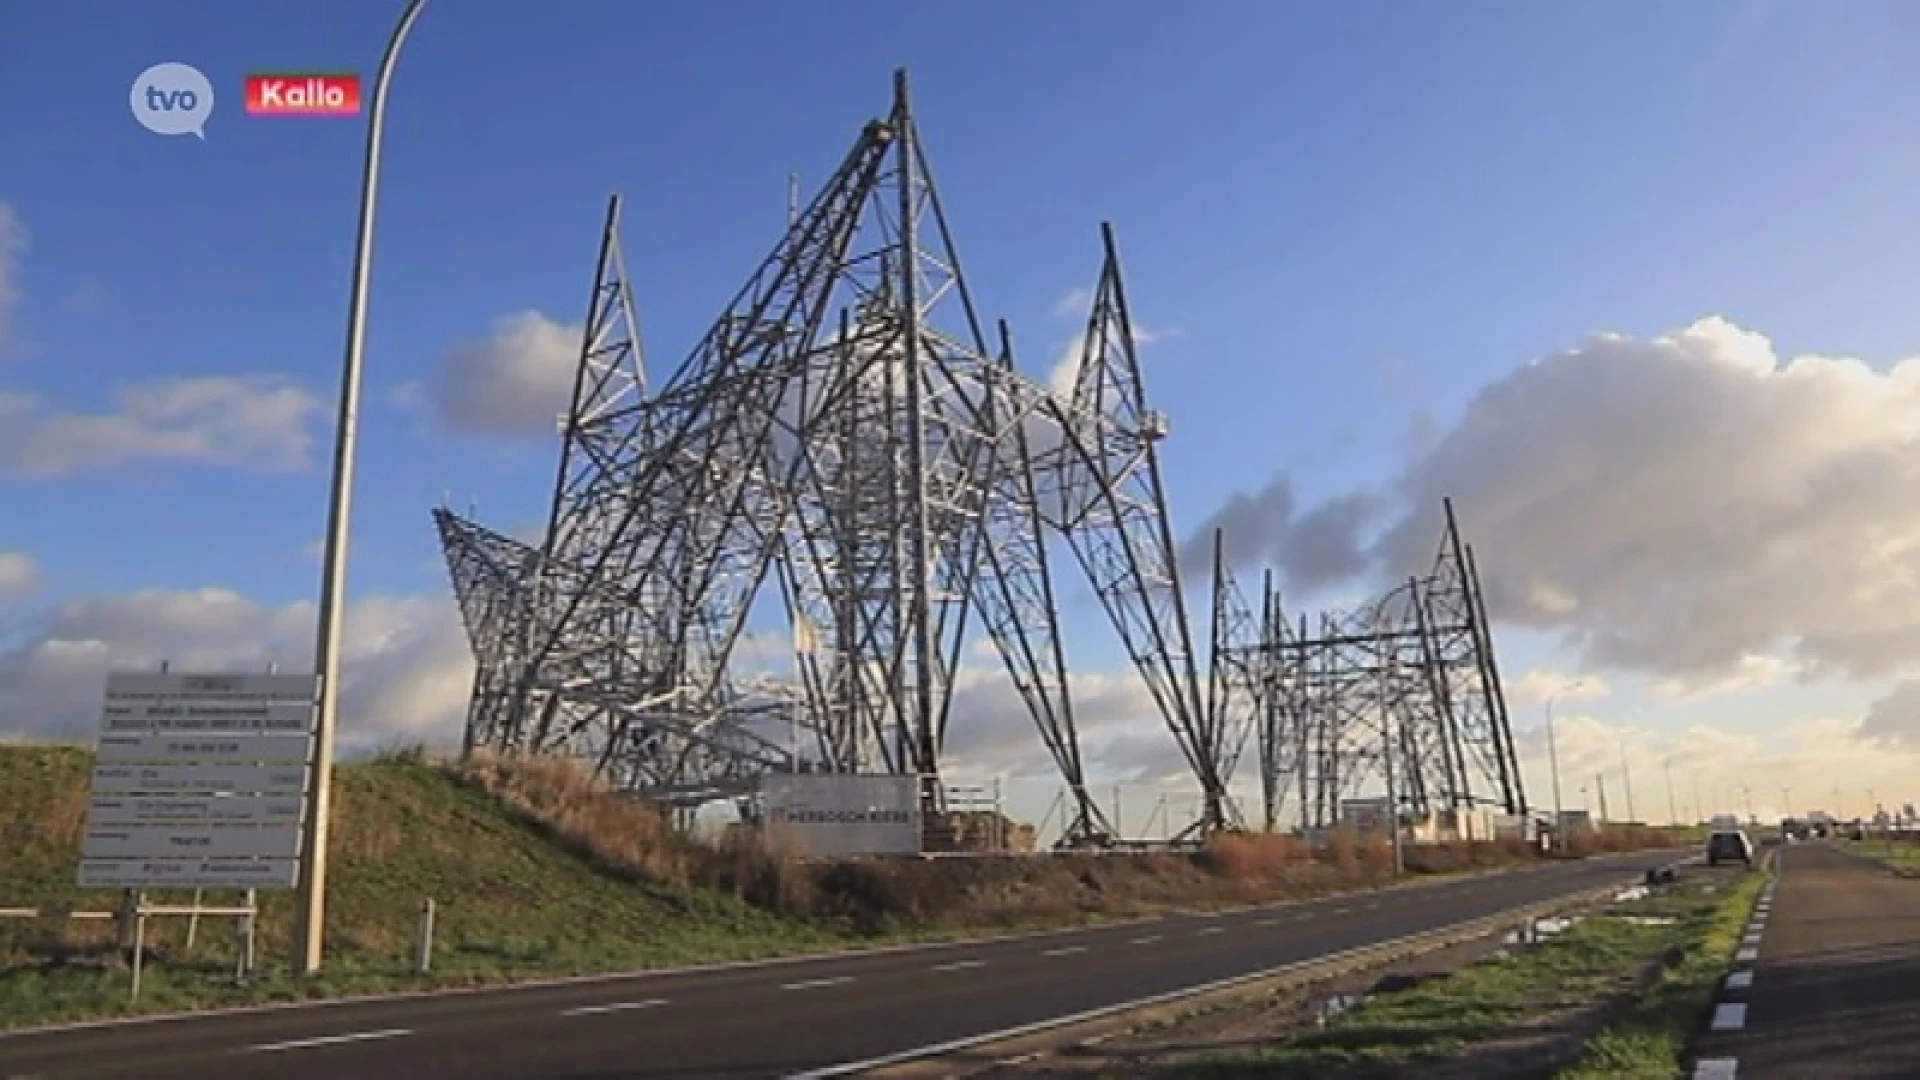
x=1900 y=853
x=538 y=871
x=1455 y=1026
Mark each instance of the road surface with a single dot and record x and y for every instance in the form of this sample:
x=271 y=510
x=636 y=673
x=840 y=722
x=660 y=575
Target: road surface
x=774 y=1020
x=1834 y=990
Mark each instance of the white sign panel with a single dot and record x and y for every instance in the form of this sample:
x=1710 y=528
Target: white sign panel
x=146 y=685
x=210 y=809
x=844 y=814
x=205 y=841
x=200 y=781
x=173 y=779
x=216 y=749
x=189 y=873
x=221 y=717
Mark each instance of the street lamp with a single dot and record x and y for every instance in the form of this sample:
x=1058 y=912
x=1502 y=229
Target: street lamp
x=311 y=907
x=1553 y=763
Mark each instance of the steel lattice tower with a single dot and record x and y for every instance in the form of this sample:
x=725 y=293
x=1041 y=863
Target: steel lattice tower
x=1407 y=682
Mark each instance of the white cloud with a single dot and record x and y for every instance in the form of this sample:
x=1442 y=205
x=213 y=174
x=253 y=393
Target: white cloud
x=18 y=575
x=1075 y=304
x=517 y=382
x=1566 y=688
x=1682 y=506
x=260 y=422
x=1066 y=366
x=1703 y=769
x=406 y=673
x=13 y=245
x=405 y=664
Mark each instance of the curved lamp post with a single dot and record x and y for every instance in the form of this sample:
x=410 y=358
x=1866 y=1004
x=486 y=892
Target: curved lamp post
x=312 y=905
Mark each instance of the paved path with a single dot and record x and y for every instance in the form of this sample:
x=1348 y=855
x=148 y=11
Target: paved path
x=807 y=1017
x=1831 y=990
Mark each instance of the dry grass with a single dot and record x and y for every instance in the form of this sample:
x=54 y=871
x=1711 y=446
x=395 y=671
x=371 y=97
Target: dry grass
x=630 y=838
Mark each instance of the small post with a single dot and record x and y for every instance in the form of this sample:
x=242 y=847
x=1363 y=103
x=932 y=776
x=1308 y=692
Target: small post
x=193 y=920
x=423 y=959
x=139 y=946
x=249 y=931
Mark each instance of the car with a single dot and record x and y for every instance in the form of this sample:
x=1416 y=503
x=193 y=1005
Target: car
x=1729 y=845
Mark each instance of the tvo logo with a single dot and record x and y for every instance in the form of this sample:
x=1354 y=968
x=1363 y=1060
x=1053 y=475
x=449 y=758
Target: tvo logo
x=172 y=99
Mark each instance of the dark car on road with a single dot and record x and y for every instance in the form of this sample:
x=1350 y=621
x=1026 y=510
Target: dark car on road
x=1729 y=845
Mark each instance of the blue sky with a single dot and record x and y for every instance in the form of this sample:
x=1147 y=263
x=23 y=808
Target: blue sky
x=1342 y=217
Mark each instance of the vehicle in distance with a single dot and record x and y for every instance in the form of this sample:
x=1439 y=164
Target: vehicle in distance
x=1729 y=845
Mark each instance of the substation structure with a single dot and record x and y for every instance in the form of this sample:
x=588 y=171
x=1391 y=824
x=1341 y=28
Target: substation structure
x=1402 y=692
x=848 y=443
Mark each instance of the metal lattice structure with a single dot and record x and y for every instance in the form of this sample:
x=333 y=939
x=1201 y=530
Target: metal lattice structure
x=845 y=432
x=1404 y=690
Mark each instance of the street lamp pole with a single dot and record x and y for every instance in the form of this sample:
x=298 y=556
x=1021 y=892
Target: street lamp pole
x=312 y=902
x=1553 y=763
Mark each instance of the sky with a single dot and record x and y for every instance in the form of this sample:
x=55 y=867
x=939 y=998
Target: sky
x=1621 y=279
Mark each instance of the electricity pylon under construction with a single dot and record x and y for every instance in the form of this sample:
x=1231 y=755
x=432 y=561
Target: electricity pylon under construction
x=846 y=436
x=1403 y=690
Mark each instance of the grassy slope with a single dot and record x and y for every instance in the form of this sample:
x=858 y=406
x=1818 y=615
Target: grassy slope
x=510 y=902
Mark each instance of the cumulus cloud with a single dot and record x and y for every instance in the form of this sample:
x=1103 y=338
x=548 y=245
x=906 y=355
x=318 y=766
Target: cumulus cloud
x=1894 y=720
x=1312 y=548
x=406 y=673
x=260 y=422
x=1536 y=686
x=516 y=382
x=1680 y=506
x=18 y=575
x=405 y=664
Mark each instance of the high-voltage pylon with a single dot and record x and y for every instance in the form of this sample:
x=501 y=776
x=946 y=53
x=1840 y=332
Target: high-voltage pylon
x=1403 y=689
x=1101 y=486
x=843 y=429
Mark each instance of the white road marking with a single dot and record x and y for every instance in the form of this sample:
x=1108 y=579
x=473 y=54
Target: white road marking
x=1716 y=1069
x=1068 y=950
x=1207 y=930
x=1342 y=911
x=1740 y=980
x=1747 y=956
x=1729 y=1017
x=329 y=1040
x=1148 y=940
x=1375 y=906
x=618 y=1006
x=1265 y=922
x=817 y=984
x=960 y=965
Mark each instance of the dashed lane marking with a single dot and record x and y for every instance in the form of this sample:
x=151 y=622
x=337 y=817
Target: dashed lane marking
x=960 y=965
x=1266 y=922
x=618 y=1006
x=1067 y=950
x=1746 y=956
x=331 y=1040
x=1207 y=930
x=1729 y=1016
x=818 y=984
x=1148 y=940
x=1716 y=1069
x=1740 y=980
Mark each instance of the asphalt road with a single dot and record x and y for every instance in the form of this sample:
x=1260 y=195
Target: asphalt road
x=774 y=1020
x=1835 y=988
